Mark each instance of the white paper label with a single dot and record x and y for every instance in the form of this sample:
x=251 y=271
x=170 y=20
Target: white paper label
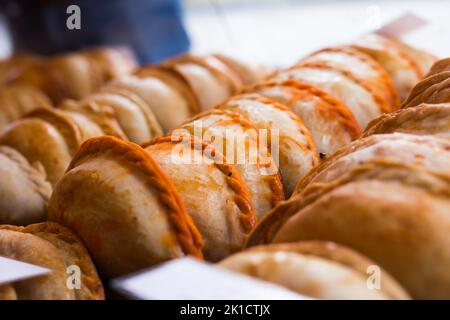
x=189 y=279
x=13 y=270
x=402 y=25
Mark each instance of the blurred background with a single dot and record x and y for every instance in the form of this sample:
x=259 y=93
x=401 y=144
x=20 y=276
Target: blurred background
x=276 y=32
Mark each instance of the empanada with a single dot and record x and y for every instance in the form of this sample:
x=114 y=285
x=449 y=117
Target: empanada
x=317 y=269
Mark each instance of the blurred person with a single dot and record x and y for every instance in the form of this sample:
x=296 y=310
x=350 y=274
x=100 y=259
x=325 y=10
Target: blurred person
x=153 y=29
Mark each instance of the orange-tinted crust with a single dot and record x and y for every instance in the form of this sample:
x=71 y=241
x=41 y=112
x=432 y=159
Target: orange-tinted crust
x=374 y=64
x=221 y=72
x=234 y=181
x=188 y=235
x=67 y=128
x=382 y=103
x=339 y=107
x=309 y=144
x=275 y=183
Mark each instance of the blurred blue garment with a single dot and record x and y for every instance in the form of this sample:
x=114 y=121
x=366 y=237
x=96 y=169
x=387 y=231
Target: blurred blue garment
x=152 y=28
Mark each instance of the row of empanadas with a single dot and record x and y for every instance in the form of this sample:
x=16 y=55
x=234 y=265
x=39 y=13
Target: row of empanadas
x=128 y=108
x=55 y=247
x=223 y=196
x=363 y=75
x=139 y=205
x=385 y=196
x=74 y=75
x=127 y=210
x=17 y=100
x=30 y=82
x=177 y=89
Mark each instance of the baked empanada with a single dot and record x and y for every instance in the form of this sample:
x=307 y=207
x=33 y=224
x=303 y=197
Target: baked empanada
x=289 y=140
x=405 y=65
x=124 y=208
x=361 y=66
x=238 y=140
x=24 y=189
x=363 y=102
x=317 y=269
x=330 y=122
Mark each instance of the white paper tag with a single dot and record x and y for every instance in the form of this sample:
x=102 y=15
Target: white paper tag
x=13 y=270
x=402 y=25
x=190 y=279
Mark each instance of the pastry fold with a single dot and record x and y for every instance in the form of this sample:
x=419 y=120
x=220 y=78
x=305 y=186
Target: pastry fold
x=201 y=176
x=24 y=189
x=434 y=88
x=424 y=119
x=330 y=122
x=406 y=65
x=290 y=141
x=359 y=97
x=237 y=139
